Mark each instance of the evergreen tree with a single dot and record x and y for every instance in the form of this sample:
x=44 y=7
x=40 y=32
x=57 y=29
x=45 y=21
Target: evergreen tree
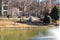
x=54 y=13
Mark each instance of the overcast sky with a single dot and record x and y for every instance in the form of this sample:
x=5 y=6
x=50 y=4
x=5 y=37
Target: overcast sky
x=57 y=1
x=41 y=0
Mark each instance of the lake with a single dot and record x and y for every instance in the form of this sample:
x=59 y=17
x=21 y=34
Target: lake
x=25 y=34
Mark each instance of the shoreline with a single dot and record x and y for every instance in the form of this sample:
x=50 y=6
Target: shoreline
x=11 y=24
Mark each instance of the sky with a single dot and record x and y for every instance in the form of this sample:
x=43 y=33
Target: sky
x=41 y=0
x=57 y=1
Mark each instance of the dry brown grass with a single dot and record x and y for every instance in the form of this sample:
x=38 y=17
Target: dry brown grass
x=9 y=23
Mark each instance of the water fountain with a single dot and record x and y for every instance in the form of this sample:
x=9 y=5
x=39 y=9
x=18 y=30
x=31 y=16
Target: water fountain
x=53 y=34
x=56 y=32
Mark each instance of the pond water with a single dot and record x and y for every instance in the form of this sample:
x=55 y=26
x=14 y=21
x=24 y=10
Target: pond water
x=26 y=34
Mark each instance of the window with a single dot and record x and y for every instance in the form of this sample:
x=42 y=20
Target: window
x=5 y=2
x=0 y=13
x=5 y=7
x=5 y=13
x=0 y=7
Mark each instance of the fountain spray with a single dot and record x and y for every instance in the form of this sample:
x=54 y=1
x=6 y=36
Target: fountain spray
x=56 y=32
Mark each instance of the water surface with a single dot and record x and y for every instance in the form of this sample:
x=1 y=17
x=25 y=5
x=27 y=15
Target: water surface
x=25 y=34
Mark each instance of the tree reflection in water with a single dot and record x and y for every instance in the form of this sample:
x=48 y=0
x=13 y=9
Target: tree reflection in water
x=20 y=34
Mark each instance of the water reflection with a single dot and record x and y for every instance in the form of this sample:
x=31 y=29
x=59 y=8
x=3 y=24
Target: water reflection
x=23 y=34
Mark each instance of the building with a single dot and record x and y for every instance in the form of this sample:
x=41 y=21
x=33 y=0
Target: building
x=3 y=7
x=0 y=7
